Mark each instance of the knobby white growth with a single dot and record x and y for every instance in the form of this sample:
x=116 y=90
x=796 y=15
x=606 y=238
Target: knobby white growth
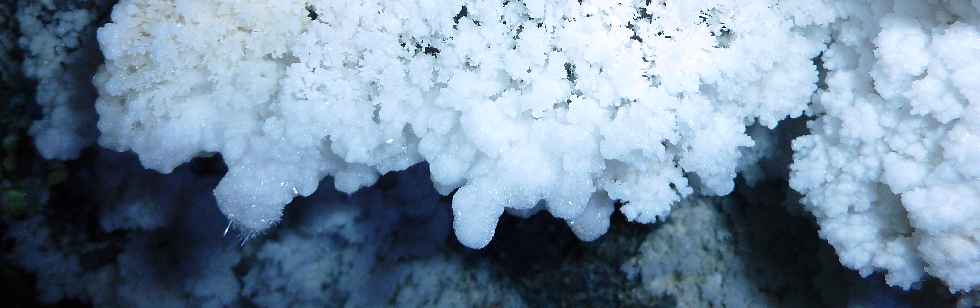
x=891 y=169
x=52 y=40
x=573 y=104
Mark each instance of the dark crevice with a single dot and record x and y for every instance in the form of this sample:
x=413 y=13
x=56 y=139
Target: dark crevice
x=311 y=13
x=462 y=13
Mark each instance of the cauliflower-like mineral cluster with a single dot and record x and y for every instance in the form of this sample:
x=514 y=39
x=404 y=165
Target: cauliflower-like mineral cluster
x=54 y=37
x=891 y=167
x=577 y=108
x=572 y=104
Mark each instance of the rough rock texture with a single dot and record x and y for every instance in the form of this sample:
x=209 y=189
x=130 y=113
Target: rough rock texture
x=383 y=246
x=749 y=251
x=391 y=245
